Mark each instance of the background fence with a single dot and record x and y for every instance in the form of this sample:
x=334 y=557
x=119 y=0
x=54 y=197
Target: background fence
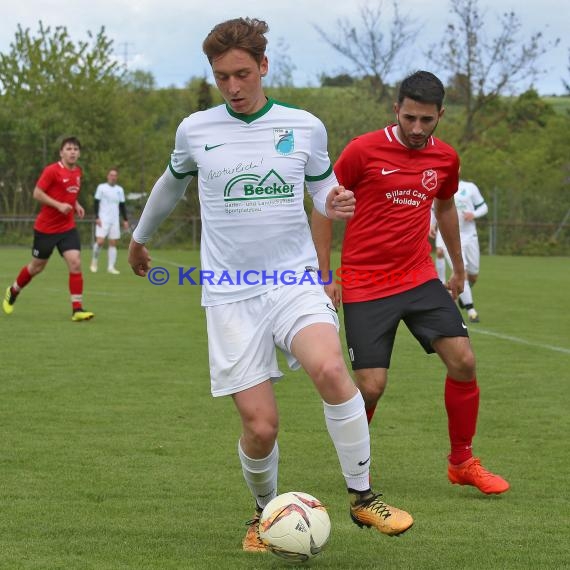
x=496 y=237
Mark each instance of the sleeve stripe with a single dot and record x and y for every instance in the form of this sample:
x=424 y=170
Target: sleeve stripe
x=181 y=175
x=321 y=177
x=479 y=205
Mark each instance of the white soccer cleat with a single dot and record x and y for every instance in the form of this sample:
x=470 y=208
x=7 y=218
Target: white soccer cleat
x=113 y=271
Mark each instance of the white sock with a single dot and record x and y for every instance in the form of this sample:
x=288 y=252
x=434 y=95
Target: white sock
x=96 y=250
x=112 y=256
x=467 y=296
x=440 y=268
x=261 y=475
x=348 y=428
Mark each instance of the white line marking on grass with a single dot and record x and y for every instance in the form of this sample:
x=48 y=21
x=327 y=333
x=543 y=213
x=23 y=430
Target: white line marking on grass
x=166 y=261
x=520 y=340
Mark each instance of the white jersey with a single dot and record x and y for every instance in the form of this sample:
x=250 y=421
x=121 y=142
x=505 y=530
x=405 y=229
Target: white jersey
x=468 y=198
x=251 y=173
x=109 y=199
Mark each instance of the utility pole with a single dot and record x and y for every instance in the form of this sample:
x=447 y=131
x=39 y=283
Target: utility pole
x=125 y=52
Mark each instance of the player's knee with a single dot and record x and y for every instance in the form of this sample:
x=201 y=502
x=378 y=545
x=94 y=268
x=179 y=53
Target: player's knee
x=329 y=371
x=464 y=365
x=262 y=433
x=439 y=253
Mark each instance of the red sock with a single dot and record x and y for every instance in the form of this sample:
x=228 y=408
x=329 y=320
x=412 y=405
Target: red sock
x=462 y=405
x=76 y=290
x=370 y=413
x=24 y=277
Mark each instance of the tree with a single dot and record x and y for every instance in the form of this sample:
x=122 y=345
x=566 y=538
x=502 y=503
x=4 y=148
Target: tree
x=482 y=69
x=281 y=67
x=51 y=86
x=372 y=54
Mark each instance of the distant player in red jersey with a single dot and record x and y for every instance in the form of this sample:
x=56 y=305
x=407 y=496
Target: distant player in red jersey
x=387 y=273
x=57 y=190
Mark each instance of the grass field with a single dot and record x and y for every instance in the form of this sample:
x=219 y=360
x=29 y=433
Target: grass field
x=114 y=454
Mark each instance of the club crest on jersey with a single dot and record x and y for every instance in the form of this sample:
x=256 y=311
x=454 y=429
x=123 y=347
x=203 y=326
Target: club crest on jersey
x=284 y=141
x=429 y=179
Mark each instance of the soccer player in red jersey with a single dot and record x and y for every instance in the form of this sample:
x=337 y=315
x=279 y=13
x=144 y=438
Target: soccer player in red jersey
x=56 y=190
x=387 y=274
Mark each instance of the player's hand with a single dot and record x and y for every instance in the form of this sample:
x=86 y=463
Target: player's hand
x=139 y=258
x=455 y=284
x=126 y=224
x=468 y=216
x=340 y=203
x=98 y=222
x=79 y=210
x=65 y=208
x=432 y=231
x=334 y=293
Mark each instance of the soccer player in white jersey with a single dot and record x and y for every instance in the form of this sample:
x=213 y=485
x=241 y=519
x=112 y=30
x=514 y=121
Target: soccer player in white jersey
x=253 y=157
x=109 y=201
x=470 y=206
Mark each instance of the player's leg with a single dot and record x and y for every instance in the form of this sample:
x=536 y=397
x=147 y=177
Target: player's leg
x=100 y=234
x=41 y=251
x=258 y=452
x=242 y=359
x=437 y=325
x=370 y=329
x=440 y=258
x=470 y=252
x=440 y=265
x=112 y=260
x=70 y=249
x=317 y=348
x=462 y=405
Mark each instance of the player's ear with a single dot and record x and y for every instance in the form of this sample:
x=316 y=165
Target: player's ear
x=264 y=66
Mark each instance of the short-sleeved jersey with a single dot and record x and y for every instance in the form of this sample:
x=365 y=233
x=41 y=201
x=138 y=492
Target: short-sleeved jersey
x=251 y=173
x=62 y=184
x=468 y=199
x=385 y=249
x=109 y=199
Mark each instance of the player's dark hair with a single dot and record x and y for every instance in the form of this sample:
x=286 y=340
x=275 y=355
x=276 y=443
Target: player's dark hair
x=424 y=87
x=70 y=140
x=241 y=33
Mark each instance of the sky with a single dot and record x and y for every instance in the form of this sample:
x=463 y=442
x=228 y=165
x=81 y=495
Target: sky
x=164 y=37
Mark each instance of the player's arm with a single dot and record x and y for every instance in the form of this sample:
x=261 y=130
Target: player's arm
x=448 y=224
x=165 y=194
x=322 y=232
x=79 y=210
x=43 y=198
x=480 y=207
x=123 y=211
x=330 y=199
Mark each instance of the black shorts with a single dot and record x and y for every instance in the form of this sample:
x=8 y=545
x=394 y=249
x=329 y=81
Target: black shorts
x=428 y=311
x=44 y=243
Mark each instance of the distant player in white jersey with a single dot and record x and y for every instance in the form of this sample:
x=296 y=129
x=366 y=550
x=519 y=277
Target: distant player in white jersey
x=109 y=201
x=253 y=158
x=470 y=206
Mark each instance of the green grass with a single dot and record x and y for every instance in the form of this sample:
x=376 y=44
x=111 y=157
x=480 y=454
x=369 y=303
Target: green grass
x=114 y=454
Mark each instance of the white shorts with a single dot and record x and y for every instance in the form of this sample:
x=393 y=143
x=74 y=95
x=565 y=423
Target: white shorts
x=111 y=230
x=470 y=253
x=243 y=336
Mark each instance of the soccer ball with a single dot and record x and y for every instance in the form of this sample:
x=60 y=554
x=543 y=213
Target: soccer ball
x=295 y=526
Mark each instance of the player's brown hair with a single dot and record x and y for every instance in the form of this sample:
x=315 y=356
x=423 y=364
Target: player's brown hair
x=240 y=33
x=70 y=140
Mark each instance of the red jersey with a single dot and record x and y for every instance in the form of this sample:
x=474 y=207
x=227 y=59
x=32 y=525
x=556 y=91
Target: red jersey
x=386 y=249
x=61 y=184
